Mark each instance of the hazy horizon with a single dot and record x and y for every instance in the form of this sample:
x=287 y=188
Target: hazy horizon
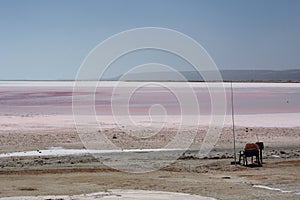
x=193 y=76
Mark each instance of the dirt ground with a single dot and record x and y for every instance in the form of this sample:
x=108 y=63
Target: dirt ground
x=207 y=177
x=212 y=176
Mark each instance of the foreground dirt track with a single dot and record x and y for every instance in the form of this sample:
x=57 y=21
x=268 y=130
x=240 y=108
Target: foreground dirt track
x=212 y=178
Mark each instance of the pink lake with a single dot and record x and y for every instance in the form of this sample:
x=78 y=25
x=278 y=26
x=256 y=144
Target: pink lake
x=54 y=97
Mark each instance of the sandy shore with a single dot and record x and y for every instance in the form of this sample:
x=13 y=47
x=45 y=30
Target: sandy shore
x=216 y=178
x=36 y=132
x=39 y=173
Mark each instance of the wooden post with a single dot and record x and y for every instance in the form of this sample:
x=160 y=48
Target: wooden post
x=232 y=117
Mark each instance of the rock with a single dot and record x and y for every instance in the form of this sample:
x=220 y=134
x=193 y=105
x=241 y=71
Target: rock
x=282 y=152
x=226 y=177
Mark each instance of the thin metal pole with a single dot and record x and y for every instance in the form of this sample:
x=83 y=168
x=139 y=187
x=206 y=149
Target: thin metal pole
x=232 y=117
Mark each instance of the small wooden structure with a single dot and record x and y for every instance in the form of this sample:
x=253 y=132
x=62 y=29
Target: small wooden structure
x=252 y=150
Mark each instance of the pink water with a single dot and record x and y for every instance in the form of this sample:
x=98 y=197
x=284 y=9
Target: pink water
x=35 y=98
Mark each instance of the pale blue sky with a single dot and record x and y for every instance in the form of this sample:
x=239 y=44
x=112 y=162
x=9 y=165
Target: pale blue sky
x=48 y=39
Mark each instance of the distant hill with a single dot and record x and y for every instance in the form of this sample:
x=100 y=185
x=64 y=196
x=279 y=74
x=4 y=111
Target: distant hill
x=261 y=75
x=228 y=75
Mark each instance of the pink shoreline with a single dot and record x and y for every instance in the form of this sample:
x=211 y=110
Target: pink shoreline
x=259 y=120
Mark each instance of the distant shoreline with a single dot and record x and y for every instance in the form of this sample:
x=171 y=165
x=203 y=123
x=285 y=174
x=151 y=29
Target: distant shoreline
x=242 y=76
x=175 y=81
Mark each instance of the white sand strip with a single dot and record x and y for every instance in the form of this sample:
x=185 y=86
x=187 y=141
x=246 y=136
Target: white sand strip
x=119 y=194
x=67 y=152
x=273 y=189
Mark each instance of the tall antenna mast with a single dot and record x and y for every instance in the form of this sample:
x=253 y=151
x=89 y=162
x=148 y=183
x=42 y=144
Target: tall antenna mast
x=232 y=117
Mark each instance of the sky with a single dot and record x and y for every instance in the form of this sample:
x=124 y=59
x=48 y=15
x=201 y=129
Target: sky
x=49 y=39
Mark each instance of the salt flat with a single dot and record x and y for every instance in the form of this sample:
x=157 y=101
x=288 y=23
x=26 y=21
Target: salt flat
x=42 y=154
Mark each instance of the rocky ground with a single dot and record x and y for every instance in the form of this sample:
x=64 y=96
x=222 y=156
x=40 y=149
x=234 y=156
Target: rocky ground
x=211 y=175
